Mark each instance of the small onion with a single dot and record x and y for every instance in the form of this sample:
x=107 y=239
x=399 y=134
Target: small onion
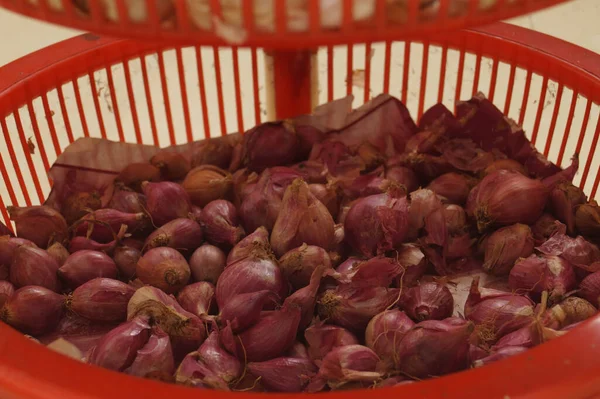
x=33 y=310
x=543 y=273
x=587 y=220
x=128 y=201
x=428 y=301
x=207 y=263
x=155 y=359
x=58 y=252
x=299 y=263
x=34 y=266
x=404 y=176
x=126 y=259
x=281 y=140
x=589 y=288
x=243 y=310
x=284 y=374
x=83 y=266
x=77 y=205
x=164 y=268
x=172 y=165
x=8 y=245
x=570 y=311
x=207 y=183
x=101 y=299
x=220 y=223
x=217 y=152
x=322 y=338
x=166 y=201
x=134 y=174
x=452 y=186
x=197 y=298
x=384 y=333
x=504 y=246
x=39 y=224
x=456 y=218
x=258 y=239
x=182 y=234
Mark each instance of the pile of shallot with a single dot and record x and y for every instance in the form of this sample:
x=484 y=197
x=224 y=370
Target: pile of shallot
x=293 y=259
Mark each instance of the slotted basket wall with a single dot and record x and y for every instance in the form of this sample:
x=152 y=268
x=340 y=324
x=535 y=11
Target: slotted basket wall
x=157 y=94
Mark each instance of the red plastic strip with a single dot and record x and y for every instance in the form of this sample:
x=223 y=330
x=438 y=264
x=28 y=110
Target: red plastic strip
x=554 y=119
x=166 y=99
x=330 y=73
x=219 y=83
x=493 y=79
x=237 y=89
x=132 y=103
x=477 y=74
x=368 y=49
x=202 y=87
x=292 y=76
x=5 y=214
x=387 y=60
x=255 y=92
x=49 y=115
x=591 y=154
x=511 y=86
x=82 y=116
x=424 y=66
x=443 y=67
x=540 y=110
x=280 y=17
x=28 y=159
x=405 y=71
x=184 y=96
x=567 y=131
x=349 y=69
x=584 y=125
x=7 y=182
x=95 y=95
x=15 y=162
x=459 y=78
x=38 y=137
x=115 y=104
x=525 y=97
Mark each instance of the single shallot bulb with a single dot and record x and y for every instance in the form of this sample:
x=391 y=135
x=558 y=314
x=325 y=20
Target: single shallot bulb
x=346 y=364
x=299 y=263
x=173 y=165
x=77 y=205
x=186 y=330
x=39 y=224
x=428 y=301
x=155 y=359
x=243 y=310
x=506 y=197
x=589 y=288
x=207 y=263
x=117 y=350
x=435 y=347
x=454 y=187
x=305 y=298
x=83 y=266
x=127 y=200
x=220 y=223
x=182 y=234
x=6 y=291
x=34 y=266
x=207 y=183
x=164 y=268
x=271 y=336
x=215 y=152
x=126 y=259
x=353 y=307
x=198 y=298
x=258 y=239
x=166 y=201
x=545 y=227
x=101 y=300
x=570 y=311
x=384 y=333
x=270 y=144
x=587 y=220
x=33 y=310
x=322 y=338
x=456 y=218
x=302 y=219
x=404 y=176
x=536 y=274
x=563 y=200
x=377 y=223
x=258 y=271
x=8 y=245
x=224 y=365
x=496 y=313
x=505 y=246
x=58 y=252
x=284 y=374
x=134 y=174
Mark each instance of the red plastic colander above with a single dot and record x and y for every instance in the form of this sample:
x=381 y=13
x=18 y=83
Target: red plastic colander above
x=290 y=24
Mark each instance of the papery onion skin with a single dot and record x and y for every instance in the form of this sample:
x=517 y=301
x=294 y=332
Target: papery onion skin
x=284 y=374
x=563 y=200
x=428 y=301
x=299 y=263
x=134 y=174
x=505 y=164
x=6 y=291
x=33 y=310
x=166 y=201
x=101 y=300
x=126 y=259
x=128 y=201
x=504 y=246
x=279 y=137
x=58 y=252
x=435 y=347
x=543 y=273
x=172 y=165
x=164 y=268
x=384 y=333
x=198 y=298
x=207 y=263
x=322 y=338
x=570 y=311
x=155 y=359
x=106 y=223
x=244 y=310
x=207 y=183
x=83 y=266
x=506 y=197
x=258 y=239
x=34 y=266
x=220 y=223
x=377 y=223
x=77 y=205
x=39 y=224
x=182 y=234
x=8 y=245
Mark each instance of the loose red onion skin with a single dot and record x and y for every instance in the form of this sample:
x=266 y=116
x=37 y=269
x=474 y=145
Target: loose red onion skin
x=404 y=176
x=58 y=252
x=83 y=266
x=5 y=231
x=299 y=263
x=352 y=307
x=224 y=365
x=126 y=259
x=207 y=183
x=81 y=332
x=8 y=245
x=33 y=310
x=271 y=336
x=543 y=273
x=375 y=272
x=302 y=219
x=166 y=201
x=195 y=372
x=346 y=364
x=579 y=252
x=258 y=239
x=198 y=298
x=251 y=274
x=39 y=224
x=284 y=374
x=377 y=223
x=134 y=174
x=305 y=298
x=456 y=218
x=500 y=354
x=569 y=311
x=244 y=310
x=118 y=349
x=504 y=246
x=384 y=333
x=435 y=347
x=220 y=223
x=77 y=205
x=106 y=224
x=155 y=358
x=298 y=351
x=322 y=338
x=428 y=301
x=101 y=300
x=127 y=201
x=454 y=187
x=589 y=288
x=506 y=197
x=173 y=165
x=34 y=266
x=413 y=259
x=164 y=268
x=328 y=195
x=563 y=200
x=497 y=313
x=207 y=263
x=6 y=291
x=279 y=137
x=587 y=221
x=545 y=227
x=182 y=234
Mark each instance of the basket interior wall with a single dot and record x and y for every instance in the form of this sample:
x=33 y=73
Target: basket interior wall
x=172 y=96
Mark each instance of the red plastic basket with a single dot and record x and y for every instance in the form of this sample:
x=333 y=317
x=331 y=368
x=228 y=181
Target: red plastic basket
x=304 y=24
x=155 y=94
